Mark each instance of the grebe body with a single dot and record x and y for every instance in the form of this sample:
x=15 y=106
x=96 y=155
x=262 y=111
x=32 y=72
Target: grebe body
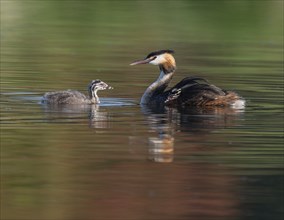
x=74 y=97
x=191 y=91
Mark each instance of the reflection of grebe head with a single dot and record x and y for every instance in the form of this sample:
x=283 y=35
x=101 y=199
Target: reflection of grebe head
x=95 y=86
x=157 y=58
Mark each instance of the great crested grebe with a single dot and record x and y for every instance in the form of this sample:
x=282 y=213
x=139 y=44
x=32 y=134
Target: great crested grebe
x=191 y=91
x=75 y=97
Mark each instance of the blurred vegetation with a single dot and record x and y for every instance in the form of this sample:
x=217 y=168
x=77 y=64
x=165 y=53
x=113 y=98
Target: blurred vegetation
x=68 y=38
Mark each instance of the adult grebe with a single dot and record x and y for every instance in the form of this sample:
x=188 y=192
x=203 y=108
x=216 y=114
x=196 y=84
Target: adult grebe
x=191 y=91
x=75 y=97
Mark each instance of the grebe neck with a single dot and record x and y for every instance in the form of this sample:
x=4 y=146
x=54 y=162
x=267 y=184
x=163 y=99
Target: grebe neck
x=94 y=98
x=157 y=88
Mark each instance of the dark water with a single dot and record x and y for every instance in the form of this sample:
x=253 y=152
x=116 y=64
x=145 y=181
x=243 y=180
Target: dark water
x=119 y=160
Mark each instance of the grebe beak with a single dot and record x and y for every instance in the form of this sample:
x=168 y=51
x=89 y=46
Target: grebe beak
x=145 y=61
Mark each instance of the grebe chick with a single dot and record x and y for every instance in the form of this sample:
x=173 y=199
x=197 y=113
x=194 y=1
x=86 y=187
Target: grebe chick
x=191 y=91
x=75 y=97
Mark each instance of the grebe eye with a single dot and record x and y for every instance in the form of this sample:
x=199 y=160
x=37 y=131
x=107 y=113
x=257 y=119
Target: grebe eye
x=153 y=58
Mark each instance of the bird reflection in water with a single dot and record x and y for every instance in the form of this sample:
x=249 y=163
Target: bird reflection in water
x=161 y=148
x=97 y=117
x=167 y=121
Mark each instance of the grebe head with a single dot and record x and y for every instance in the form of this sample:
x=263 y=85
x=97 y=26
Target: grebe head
x=97 y=85
x=159 y=57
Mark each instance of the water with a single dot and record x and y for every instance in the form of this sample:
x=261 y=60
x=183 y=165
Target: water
x=119 y=160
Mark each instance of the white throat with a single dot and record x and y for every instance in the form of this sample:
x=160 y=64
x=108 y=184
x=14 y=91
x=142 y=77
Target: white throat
x=95 y=98
x=149 y=94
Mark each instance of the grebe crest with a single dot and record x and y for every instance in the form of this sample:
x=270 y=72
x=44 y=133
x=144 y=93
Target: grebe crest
x=162 y=58
x=75 y=97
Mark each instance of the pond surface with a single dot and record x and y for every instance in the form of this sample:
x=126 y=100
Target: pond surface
x=120 y=160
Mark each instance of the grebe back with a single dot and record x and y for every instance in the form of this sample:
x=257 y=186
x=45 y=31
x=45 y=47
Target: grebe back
x=191 y=91
x=75 y=97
